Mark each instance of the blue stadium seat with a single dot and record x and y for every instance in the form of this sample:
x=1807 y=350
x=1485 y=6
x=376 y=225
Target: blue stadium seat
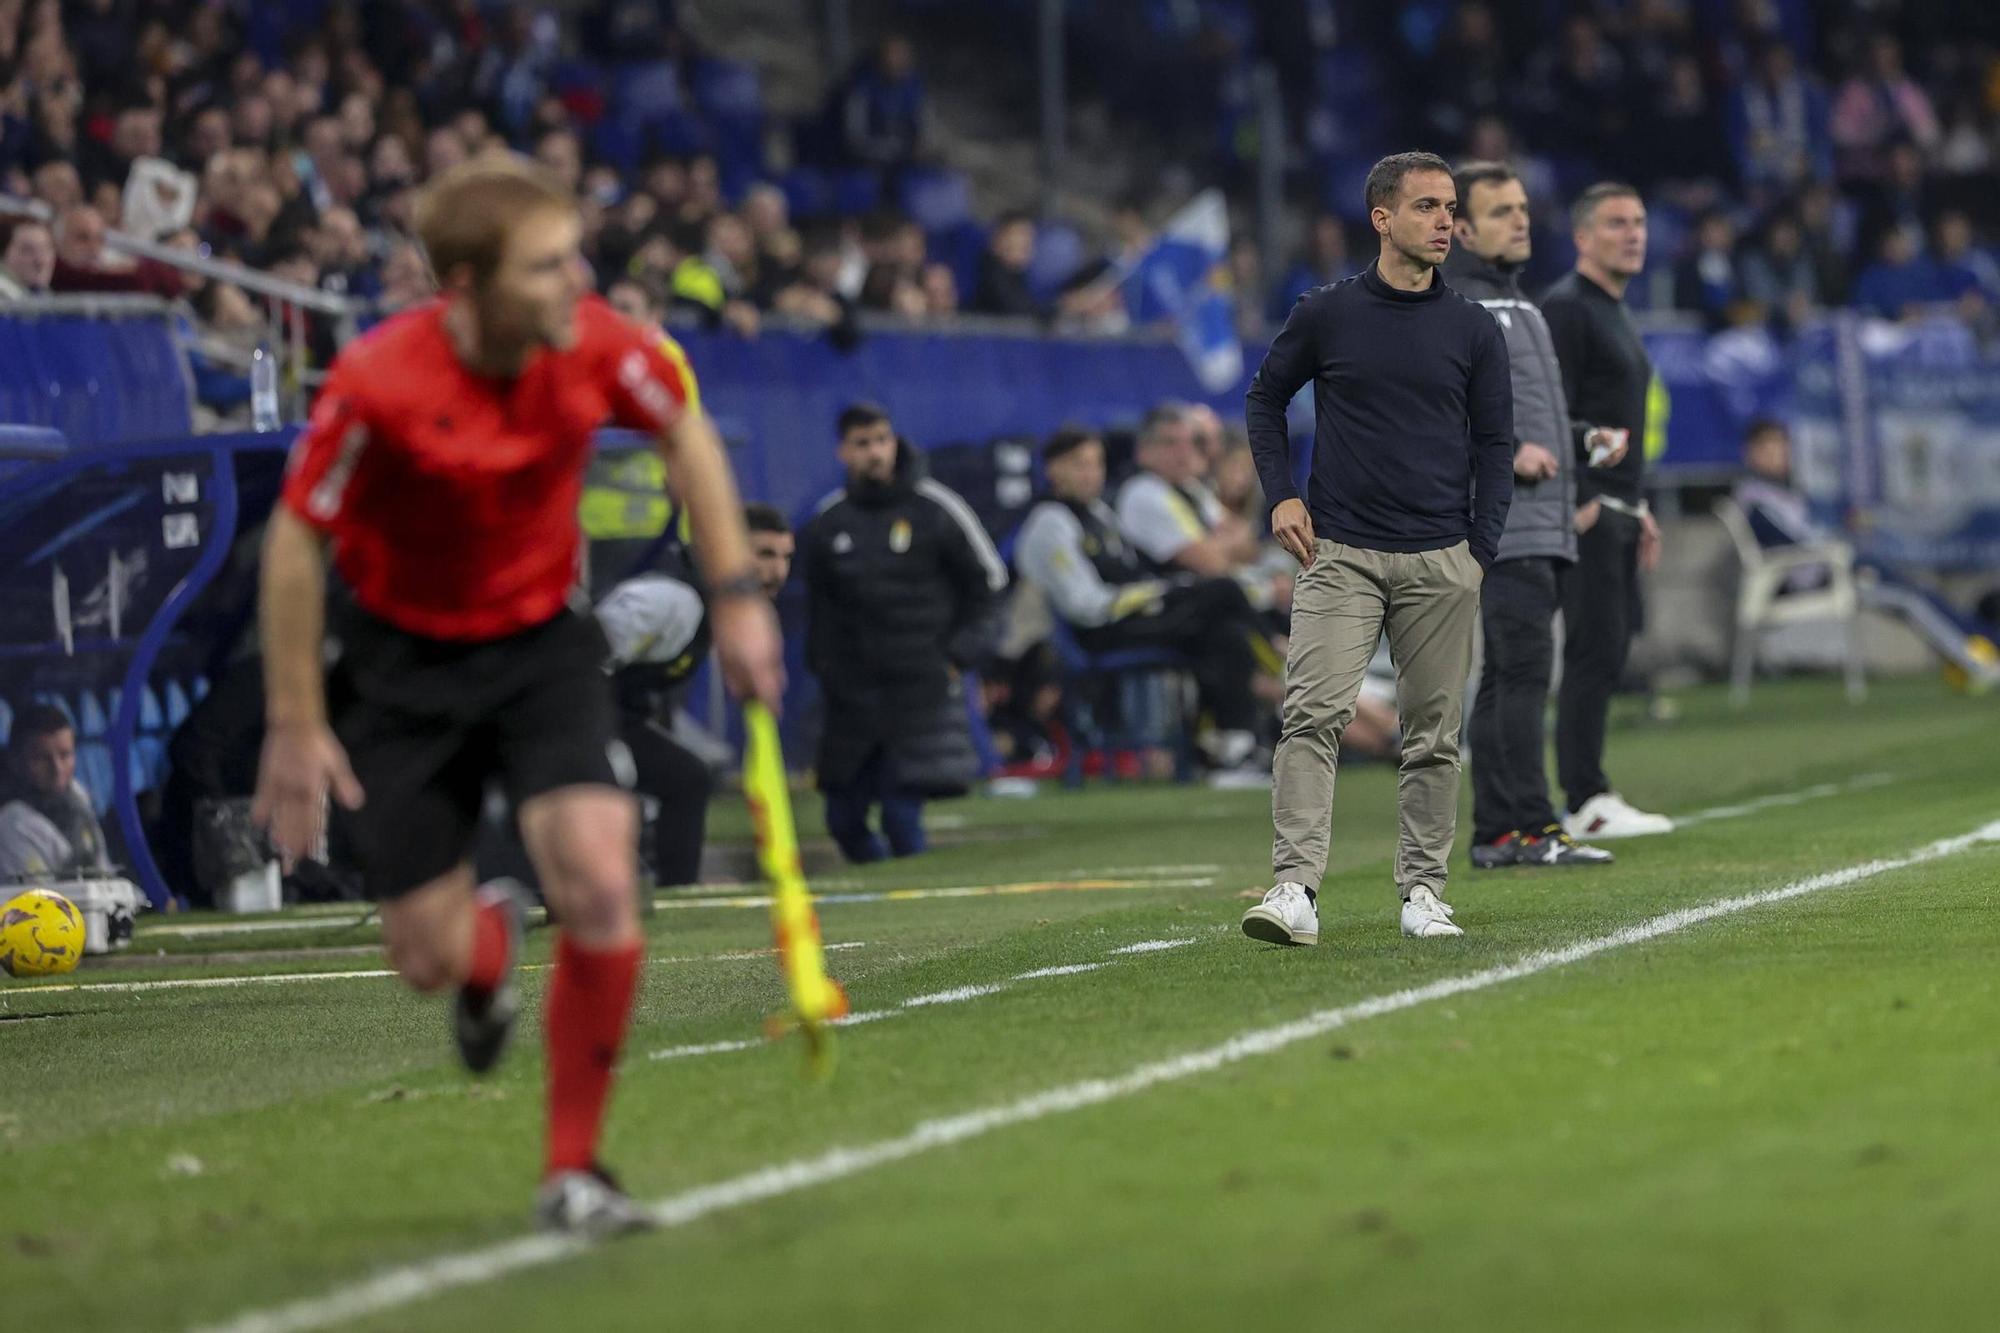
x=92 y=719
x=1139 y=690
x=645 y=93
x=6 y=721
x=93 y=770
x=177 y=705
x=937 y=198
x=959 y=249
x=808 y=191
x=857 y=191
x=1059 y=253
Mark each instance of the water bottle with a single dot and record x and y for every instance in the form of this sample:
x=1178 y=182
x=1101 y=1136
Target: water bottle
x=264 y=388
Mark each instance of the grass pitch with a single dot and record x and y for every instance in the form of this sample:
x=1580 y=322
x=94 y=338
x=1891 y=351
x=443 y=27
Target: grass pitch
x=1778 y=1119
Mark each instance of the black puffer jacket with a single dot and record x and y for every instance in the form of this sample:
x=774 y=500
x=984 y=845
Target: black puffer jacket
x=902 y=586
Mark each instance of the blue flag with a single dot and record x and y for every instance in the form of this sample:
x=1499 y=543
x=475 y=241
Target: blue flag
x=1184 y=280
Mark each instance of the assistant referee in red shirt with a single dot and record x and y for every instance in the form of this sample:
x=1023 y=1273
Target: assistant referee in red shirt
x=442 y=468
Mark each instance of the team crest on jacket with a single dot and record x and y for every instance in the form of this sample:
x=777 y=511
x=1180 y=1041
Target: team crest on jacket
x=842 y=543
x=899 y=536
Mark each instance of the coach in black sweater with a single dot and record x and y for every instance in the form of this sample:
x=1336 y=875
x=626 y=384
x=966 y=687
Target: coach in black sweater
x=1413 y=460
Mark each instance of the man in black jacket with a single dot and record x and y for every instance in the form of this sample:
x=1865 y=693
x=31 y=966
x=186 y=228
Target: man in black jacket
x=1514 y=822
x=1608 y=380
x=901 y=586
x=1413 y=468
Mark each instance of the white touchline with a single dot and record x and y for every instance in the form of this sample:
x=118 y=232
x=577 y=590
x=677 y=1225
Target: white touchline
x=1784 y=798
x=400 y=1286
x=956 y=995
x=1066 y=970
x=280 y=978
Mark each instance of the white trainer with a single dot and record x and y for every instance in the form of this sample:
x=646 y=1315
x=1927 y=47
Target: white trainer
x=1609 y=815
x=1427 y=916
x=1286 y=916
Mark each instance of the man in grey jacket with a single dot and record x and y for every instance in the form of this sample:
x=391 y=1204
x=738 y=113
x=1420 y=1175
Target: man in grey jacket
x=1514 y=822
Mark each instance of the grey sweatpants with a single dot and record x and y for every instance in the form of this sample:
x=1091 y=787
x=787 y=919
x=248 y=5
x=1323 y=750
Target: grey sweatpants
x=1428 y=601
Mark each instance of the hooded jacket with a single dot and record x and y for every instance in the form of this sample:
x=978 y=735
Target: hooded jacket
x=1542 y=520
x=902 y=584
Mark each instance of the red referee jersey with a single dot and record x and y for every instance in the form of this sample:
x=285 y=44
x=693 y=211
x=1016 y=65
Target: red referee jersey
x=450 y=497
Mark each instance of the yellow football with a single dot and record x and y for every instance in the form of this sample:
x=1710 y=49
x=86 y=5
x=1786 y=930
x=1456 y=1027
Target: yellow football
x=41 y=934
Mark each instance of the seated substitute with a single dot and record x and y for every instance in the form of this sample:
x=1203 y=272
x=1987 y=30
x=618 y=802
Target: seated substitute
x=1071 y=547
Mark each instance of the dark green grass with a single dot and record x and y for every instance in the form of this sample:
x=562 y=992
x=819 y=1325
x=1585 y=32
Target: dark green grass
x=1773 y=1121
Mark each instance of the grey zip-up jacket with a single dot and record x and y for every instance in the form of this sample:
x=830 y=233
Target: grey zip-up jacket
x=1542 y=520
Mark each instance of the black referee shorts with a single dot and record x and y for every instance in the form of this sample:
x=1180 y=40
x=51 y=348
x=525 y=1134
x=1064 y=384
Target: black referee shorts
x=427 y=723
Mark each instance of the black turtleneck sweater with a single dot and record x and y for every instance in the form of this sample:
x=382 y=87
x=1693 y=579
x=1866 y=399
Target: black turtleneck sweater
x=1413 y=448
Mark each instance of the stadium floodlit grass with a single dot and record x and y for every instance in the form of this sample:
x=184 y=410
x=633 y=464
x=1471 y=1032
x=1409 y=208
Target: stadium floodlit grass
x=1779 y=1119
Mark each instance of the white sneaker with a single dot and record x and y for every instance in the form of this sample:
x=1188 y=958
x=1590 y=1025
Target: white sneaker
x=1427 y=916
x=1228 y=749
x=1286 y=916
x=1607 y=815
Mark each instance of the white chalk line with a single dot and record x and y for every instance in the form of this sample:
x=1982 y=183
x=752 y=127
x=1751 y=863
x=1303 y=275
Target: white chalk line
x=414 y=1282
x=1818 y=791
x=316 y=917
x=283 y=978
x=956 y=995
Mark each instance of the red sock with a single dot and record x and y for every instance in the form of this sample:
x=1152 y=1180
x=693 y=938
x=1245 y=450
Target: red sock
x=489 y=947
x=590 y=1001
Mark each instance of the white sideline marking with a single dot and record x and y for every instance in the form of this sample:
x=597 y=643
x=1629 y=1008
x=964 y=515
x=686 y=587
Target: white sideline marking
x=956 y=995
x=413 y=1282
x=1153 y=946
x=278 y=978
x=1051 y=885
x=1784 y=798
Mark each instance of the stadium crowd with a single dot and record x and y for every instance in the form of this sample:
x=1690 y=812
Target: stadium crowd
x=1798 y=157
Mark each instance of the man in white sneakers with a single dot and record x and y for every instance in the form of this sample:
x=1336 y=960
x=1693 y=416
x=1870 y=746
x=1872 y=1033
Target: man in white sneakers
x=1412 y=474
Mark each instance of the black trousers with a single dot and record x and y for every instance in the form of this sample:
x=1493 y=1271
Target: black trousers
x=1600 y=616
x=1510 y=780
x=1209 y=622
x=677 y=779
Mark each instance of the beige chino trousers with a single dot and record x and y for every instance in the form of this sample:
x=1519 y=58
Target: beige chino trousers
x=1428 y=601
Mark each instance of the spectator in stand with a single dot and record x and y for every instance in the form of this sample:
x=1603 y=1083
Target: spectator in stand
x=1826 y=223
x=1679 y=144
x=47 y=826
x=1469 y=76
x=940 y=286
x=1708 y=281
x=27 y=258
x=1966 y=275
x=1901 y=284
x=1324 y=260
x=881 y=116
x=1779 y=276
x=1583 y=92
x=814 y=292
x=339 y=247
x=1003 y=270
x=58 y=185
x=1778 y=123
x=406 y=278
x=562 y=153
x=1879 y=105
x=84 y=265
x=1905 y=197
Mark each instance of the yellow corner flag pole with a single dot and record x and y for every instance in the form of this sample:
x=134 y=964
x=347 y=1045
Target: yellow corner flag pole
x=816 y=998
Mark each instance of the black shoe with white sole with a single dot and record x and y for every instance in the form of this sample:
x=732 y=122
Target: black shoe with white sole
x=1553 y=847
x=591 y=1204
x=481 y=1022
